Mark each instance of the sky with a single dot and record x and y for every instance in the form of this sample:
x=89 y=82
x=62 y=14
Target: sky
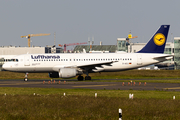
x=74 y=21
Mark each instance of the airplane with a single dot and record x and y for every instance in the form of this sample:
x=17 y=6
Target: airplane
x=68 y=65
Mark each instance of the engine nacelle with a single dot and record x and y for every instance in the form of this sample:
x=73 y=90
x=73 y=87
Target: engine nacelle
x=67 y=73
x=64 y=73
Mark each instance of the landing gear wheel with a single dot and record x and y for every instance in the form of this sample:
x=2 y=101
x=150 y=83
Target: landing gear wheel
x=25 y=79
x=80 y=78
x=87 y=78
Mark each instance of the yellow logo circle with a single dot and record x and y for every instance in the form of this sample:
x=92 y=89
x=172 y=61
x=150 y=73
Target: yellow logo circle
x=159 y=39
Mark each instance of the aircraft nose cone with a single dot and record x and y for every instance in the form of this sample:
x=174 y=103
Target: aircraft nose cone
x=6 y=66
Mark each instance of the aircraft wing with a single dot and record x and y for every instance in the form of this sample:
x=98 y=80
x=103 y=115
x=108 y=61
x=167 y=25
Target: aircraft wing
x=85 y=66
x=96 y=67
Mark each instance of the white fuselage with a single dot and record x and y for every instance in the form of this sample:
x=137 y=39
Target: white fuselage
x=54 y=62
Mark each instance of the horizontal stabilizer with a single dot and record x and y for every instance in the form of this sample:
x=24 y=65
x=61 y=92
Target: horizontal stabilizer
x=164 y=57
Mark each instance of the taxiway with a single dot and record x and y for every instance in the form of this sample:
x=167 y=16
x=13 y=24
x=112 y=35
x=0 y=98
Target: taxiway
x=90 y=85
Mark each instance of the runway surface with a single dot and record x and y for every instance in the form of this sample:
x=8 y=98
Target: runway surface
x=90 y=85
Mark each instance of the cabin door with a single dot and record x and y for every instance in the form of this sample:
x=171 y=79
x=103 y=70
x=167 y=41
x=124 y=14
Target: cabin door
x=27 y=60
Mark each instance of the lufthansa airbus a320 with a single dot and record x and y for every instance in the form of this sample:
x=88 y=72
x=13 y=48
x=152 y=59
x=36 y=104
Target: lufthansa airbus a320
x=71 y=65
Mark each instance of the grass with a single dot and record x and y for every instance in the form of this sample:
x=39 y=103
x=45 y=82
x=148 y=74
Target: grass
x=141 y=94
x=86 y=108
x=14 y=75
x=80 y=104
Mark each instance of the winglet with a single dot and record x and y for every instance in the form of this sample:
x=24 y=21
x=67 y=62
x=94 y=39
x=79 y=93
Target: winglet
x=157 y=43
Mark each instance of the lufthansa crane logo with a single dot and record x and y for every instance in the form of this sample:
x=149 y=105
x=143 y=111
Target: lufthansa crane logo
x=159 y=39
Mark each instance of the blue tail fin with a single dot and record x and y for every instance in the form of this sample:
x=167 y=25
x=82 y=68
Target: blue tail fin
x=157 y=43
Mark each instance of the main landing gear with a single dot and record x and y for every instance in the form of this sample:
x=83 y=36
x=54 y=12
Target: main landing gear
x=88 y=78
x=80 y=78
x=25 y=78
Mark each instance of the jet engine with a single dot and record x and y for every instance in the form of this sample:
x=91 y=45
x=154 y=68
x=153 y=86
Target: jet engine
x=64 y=73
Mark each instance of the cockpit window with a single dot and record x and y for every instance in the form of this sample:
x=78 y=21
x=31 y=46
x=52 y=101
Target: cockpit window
x=13 y=60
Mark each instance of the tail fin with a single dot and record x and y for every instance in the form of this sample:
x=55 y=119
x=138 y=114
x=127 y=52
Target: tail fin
x=157 y=43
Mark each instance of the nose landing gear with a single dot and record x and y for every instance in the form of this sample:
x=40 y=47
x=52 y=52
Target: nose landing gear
x=26 y=79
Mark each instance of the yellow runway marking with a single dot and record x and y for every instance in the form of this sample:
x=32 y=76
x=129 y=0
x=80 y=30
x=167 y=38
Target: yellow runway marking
x=95 y=85
x=173 y=88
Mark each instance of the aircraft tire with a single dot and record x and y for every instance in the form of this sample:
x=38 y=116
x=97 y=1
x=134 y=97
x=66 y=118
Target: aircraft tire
x=25 y=79
x=88 y=78
x=80 y=78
